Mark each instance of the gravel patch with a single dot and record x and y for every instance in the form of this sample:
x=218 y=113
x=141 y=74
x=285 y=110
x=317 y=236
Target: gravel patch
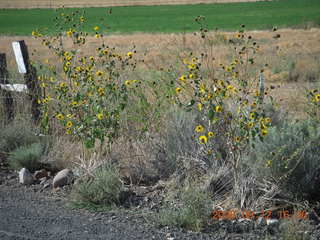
x=31 y=212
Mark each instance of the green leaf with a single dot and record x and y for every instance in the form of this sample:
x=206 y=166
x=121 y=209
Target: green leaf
x=89 y=143
x=211 y=114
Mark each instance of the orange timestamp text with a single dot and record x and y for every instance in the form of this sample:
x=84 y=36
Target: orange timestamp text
x=266 y=214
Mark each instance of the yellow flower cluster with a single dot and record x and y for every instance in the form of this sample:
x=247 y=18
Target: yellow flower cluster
x=203 y=139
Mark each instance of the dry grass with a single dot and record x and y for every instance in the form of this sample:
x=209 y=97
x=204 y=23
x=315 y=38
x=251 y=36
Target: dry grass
x=102 y=3
x=293 y=59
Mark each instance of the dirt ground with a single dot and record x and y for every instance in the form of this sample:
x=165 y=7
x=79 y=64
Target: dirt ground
x=27 y=212
x=102 y=3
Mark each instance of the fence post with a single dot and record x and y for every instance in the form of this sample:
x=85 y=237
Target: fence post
x=32 y=83
x=7 y=97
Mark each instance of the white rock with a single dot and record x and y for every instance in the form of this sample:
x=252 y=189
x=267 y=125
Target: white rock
x=62 y=178
x=25 y=177
x=272 y=221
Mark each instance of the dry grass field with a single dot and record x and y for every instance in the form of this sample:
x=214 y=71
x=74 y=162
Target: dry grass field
x=293 y=59
x=102 y=3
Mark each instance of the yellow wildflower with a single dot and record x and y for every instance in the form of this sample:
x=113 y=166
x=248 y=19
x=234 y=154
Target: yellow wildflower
x=218 y=109
x=60 y=116
x=211 y=134
x=69 y=33
x=99 y=73
x=203 y=139
x=100 y=116
x=267 y=120
x=178 y=90
x=264 y=132
x=192 y=66
x=69 y=124
x=230 y=87
x=127 y=83
x=199 y=128
x=62 y=85
x=96 y=28
x=74 y=103
x=202 y=88
x=252 y=115
x=101 y=91
x=200 y=106
x=130 y=54
x=183 y=78
x=317 y=97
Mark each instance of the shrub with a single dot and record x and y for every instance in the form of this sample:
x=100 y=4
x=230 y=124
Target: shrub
x=295 y=229
x=290 y=154
x=27 y=156
x=194 y=211
x=176 y=142
x=103 y=189
x=16 y=135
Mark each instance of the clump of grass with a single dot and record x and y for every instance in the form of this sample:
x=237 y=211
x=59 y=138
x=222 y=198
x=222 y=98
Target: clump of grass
x=26 y=157
x=16 y=135
x=193 y=213
x=102 y=189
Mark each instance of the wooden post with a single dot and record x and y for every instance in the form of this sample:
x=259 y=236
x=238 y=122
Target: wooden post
x=7 y=97
x=31 y=79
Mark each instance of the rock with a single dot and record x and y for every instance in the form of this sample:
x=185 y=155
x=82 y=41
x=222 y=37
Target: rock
x=272 y=221
x=46 y=185
x=25 y=177
x=43 y=180
x=62 y=178
x=40 y=174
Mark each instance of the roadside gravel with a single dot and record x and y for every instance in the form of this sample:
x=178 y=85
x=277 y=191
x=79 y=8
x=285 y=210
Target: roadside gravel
x=27 y=212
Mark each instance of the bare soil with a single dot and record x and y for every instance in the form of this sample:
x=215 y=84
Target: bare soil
x=102 y=3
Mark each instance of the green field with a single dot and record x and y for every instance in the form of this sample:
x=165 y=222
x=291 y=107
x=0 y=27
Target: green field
x=174 y=18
